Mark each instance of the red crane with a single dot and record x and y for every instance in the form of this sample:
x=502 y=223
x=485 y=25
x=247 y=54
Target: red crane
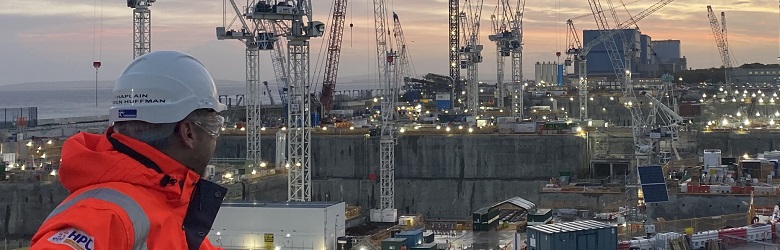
x=334 y=52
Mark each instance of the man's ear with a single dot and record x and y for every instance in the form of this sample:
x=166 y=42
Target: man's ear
x=185 y=133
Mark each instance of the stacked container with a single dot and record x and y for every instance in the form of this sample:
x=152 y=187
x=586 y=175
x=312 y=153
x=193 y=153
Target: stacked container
x=587 y=234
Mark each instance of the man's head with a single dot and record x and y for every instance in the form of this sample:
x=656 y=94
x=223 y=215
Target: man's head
x=168 y=100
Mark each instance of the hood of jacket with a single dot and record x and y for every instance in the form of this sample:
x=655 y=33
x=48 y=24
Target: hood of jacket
x=90 y=159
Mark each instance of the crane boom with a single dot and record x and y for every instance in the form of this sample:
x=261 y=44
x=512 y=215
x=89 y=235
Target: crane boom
x=404 y=57
x=334 y=54
x=721 y=41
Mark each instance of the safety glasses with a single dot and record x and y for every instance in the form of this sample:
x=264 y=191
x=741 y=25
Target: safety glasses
x=212 y=126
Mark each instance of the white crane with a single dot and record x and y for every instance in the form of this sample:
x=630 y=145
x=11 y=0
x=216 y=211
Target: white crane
x=253 y=36
x=722 y=42
x=142 y=26
x=516 y=43
x=389 y=82
x=471 y=53
x=507 y=27
x=301 y=28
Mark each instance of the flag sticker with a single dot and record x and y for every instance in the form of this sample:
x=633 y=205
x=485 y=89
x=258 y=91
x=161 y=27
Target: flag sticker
x=128 y=113
x=73 y=238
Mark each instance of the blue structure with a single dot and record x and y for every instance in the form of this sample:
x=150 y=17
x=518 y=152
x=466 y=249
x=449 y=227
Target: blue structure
x=598 y=58
x=560 y=75
x=413 y=238
x=573 y=235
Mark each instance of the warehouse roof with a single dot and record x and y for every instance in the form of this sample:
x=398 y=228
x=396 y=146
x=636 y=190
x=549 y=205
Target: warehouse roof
x=571 y=226
x=311 y=204
x=520 y=202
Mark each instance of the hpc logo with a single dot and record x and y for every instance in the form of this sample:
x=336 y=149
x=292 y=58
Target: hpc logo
x=74 y=238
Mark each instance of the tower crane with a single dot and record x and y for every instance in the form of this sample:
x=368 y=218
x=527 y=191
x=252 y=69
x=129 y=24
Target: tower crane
x=500 y=35
x=297 y=17
x=507 y=28
x=453 y=36
x=334 y=53
x=516 y=43
x=721 y=40
x=253 y=36
x=471 y=53
x=301 y=29
x=388 y=79
x=142 y=26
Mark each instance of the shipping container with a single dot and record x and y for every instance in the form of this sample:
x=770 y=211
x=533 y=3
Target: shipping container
x=581 y=235
x=540 y=216
x=394 y=244
x=413 y=237
x=485 y=219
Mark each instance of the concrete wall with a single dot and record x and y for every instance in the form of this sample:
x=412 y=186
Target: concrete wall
x=734 y=144
x=24 y=207
x=437 y=175
x=683 y=206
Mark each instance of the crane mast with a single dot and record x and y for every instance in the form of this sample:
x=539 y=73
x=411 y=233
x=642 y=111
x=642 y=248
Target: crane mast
x=142 y=26
x=302 y=28
x=255 y=39
x=266 y=17
x=389 y=82
x=517 y=60
x=334 y=53
x=454 y=49
x=471 y=53
x=573 y=56
x=500 y=35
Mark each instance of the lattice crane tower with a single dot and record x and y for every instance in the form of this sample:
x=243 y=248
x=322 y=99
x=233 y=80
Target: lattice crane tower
x=388 y=79
x=251 y=33
x=142 y=26
x=471 y=53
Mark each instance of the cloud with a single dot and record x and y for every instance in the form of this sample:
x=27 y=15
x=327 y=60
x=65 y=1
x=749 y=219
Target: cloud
x=55 y=42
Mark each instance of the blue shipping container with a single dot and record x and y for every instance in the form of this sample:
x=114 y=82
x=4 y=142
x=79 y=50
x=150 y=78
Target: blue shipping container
x=585 y=235
x=443 y=104
x=413 y=238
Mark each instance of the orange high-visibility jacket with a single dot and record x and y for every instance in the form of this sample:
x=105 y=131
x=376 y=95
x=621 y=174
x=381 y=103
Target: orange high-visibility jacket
x=126 y=194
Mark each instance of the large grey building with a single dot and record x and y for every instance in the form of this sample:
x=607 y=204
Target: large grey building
x=667 y=51
x=757 y=75
x=649 y=59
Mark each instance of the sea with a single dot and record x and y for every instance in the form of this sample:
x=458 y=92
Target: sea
x=79 y=99
x=63 y=103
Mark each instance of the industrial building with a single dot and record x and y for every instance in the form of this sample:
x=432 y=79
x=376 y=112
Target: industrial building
x=283 y=225
x=651 y=60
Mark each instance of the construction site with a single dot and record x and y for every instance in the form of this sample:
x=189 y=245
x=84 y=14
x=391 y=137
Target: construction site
x=609 y=148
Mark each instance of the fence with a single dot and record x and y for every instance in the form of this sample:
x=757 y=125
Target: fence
x=10 y=116
x=702 y=224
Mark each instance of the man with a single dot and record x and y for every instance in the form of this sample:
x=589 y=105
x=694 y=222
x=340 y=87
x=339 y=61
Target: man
x=139 y=186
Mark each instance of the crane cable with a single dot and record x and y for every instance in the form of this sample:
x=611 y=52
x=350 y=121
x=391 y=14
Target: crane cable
x=97 y=43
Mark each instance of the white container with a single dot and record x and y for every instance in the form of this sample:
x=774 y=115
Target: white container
x=759 y=232
x=699 y=239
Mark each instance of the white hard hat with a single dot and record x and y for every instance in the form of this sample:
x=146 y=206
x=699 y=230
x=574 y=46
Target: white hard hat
x=163 y=87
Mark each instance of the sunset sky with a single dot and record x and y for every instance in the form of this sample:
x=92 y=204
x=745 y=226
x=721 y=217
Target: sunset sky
x=48 y=40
